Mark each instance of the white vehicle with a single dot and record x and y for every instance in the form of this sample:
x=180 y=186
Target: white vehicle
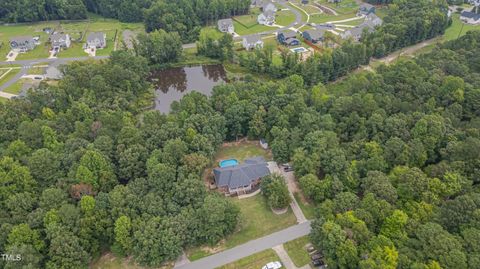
x=272 y=265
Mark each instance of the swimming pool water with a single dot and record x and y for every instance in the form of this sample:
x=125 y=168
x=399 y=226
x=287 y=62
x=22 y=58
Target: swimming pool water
x=227 y=163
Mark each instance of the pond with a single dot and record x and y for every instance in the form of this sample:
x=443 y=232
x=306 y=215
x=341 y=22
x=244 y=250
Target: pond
x=173 y=83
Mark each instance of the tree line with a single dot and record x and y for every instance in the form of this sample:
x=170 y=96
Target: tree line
x=407 y=23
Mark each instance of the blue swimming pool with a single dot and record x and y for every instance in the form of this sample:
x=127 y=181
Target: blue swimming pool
x=227 y=163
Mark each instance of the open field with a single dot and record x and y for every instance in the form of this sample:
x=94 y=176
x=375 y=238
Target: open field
x=9 y=75
x=297 y=252
x=255 y=261
x=256 y=220
x=15 y=88
x=110 y=261
x=257 y=28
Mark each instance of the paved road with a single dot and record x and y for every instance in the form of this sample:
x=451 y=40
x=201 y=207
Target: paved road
x=250 y=248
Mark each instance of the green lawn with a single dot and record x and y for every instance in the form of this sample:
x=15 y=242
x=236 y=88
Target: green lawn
x=77 y=30
x=308 y=209
x=344 y=7
x=255 y=261
x=248 y=20
x=458 y=28
x=9 y=76
x=284 y=17
x=16 y=87
x=304 y=15
x=36 y=70
x=257 y=28
x=297 y=252
x=109 y=261
x=256 y=220
x=242 y=151
x=311 y=9
x=322 y=18
x=3 y=100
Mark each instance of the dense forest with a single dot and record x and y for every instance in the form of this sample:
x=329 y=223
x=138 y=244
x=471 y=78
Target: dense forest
x=390 y=158
x=41 y=10
x=407 y=23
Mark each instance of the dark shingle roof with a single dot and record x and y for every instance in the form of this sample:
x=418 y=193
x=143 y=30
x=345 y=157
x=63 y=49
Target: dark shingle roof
x=241 y=175
x=288 y=34
x=251 y=39
x=470 y=15
x=315 y=34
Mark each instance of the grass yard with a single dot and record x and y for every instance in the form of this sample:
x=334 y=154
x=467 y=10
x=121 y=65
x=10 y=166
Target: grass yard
x=110 y=261
x=311 y=9
x=284 y=17
x=255 y=261
x=36 y=71
x=15 y=88
x=3 y=100
x=345 y=7
x=248 y=20
x=297 y=252
x=304 y=15
x=458 y=28
x=256 y=220
x=308 y=209
x=322 y=18
x=9 y=76
x=241 y=151
x=257 y=28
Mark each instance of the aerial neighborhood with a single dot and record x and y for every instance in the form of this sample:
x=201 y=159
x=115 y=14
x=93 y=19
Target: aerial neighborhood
x=240 y=134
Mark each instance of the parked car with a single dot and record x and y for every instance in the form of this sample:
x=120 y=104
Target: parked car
x=311 y=249
x=318 y=263
x=272 y=265
x=287 y=168
x=317 y=256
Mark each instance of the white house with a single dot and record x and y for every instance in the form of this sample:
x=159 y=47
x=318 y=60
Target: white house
x=252 y=42
x=60 y=40
x=226 y=26
x=266 y=18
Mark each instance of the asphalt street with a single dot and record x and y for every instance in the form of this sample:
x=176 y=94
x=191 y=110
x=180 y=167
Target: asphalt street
x=250 y=248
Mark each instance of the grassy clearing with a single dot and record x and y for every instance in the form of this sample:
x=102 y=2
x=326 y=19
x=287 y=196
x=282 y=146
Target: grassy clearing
x=257 y=28
x=36 y=71
x=255 y=261
x=9 y=76
x=248 y=20
x=256 y=220
x=15 y=88
x=458 y=28
x=304 y=15
x=242 y=151
x=3 y=100
x=284 y=17
x=297 y=252
x=109 y=261
x=344 y=7
x=39 y=52
x=307 y=208
x=322 y=18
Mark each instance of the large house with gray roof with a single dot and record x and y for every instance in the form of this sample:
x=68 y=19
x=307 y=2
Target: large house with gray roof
x=226 y=26
x=365 y=9
x=60 y=40
x=243 y=178
x=470 y=17
x=22 y=43
x=96 y=40
x=252 y=42
x=313 y=36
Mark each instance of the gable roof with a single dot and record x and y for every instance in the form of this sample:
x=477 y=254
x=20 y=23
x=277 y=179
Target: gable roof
x=470 y=15
x=22 y=39
x=315 y=34
x=225 y=23
x=241 y=175
x=288 y=34
x=251 y=39
x=95 y=35
x=58 y=37
x=366 y=6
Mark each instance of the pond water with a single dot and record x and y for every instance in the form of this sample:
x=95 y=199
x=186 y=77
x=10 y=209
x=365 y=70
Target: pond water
x=173 y=83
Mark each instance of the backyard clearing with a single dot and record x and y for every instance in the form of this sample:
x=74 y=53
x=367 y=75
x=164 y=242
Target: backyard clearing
x=241 y=150
x=110 y=261
x=255 y=261
x=256 y=220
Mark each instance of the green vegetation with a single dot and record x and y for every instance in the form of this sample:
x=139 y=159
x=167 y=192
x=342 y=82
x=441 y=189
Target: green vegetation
x=323 y=18
x=308 y=209
x=304 y=15
x=297 y=251
x=255 y=261
x=344 y=7
x=257 y=28
x=257 y=220
x=36 y=70
x=241 y=151
x=109 y=261
x=458 y=28
x=248 y=20
x=284 y=17
x=16 y=88
x=7 y=76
